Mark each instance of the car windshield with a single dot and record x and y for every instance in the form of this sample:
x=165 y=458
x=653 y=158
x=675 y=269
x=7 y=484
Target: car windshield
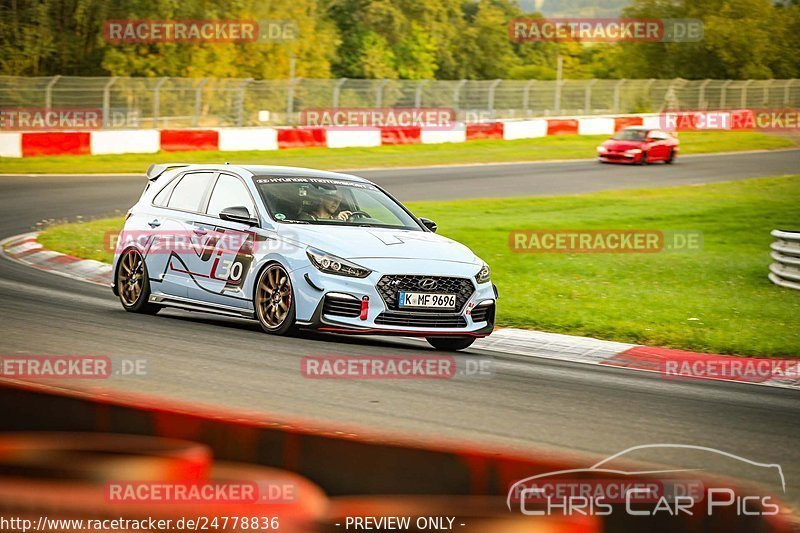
x=307 y=200
x=630 y=135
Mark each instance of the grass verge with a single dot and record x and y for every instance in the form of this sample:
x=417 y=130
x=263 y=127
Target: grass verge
x=716 y=299
x=486 y=151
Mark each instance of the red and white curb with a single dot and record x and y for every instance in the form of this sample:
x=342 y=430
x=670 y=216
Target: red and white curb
x=27 y=250
x=672 y=364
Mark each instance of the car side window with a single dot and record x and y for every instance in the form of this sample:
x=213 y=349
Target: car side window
x=190 y=191
x=163 y=195
x=229 y=191
x=658 y=135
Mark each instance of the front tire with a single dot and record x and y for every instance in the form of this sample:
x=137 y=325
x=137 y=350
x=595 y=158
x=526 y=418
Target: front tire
x=643 y=159
x=450 y=344
x=671 y=158
x=133 y=284
x=274 y=300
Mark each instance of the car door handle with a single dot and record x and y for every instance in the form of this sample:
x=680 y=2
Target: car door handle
x=154 y=223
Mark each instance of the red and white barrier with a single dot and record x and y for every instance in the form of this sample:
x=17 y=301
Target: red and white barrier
x=24 y=144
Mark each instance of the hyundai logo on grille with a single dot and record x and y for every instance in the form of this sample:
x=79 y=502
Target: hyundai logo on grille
x=427 y=284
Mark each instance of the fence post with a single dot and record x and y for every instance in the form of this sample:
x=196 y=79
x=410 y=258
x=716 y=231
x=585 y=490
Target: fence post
x=767 y=86
x=617 y=86
x=198 y=101
x=379 y=93
x=526 y=96
x=107 y=100
x=157 y=100
x=418 y=94
x=48 y=92
x=744 y=94
x=587 y=96
x=240 y=103
x=490 y=96
x=701 y=98
x=336 y=91
x=723 y=97
x=457 y=94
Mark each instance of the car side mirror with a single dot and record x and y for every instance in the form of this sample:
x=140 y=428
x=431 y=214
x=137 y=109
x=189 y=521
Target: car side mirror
x=428 y=223
x=238 y=213
x=649 y=139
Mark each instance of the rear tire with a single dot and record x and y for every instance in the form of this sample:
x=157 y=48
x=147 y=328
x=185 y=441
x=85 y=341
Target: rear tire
x=450 y=344
x=133 y=284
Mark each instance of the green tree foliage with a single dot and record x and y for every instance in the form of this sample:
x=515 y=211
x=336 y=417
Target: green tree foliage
x=399 y=39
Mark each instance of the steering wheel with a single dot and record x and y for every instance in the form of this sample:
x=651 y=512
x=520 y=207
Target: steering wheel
x=357 y=214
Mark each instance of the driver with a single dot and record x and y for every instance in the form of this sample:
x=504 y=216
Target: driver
x=328 y=206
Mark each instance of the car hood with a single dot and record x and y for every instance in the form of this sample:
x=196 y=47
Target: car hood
x=361 y=243
x=621 y=146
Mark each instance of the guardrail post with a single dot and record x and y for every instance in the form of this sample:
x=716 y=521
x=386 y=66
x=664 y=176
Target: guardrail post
x=157 y=100
x=490 y=96
x=337 y=91
x=240 y=102
x=107 y=100
x=723 y=98
x=526 y=97
x=587 y=96
x=198 y=101
x=418 y=94
x=48 y=92
x=379 y=93
x=617 y=87
x=701 y=98
x=744 y=93
x=457 y=94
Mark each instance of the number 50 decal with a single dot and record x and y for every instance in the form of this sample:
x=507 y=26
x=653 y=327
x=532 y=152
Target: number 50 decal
x=232 y=270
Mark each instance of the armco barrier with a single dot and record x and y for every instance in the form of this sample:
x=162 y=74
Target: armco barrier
x=301 y=137
x=566 y=126
x=488 y=130
x=785 y=269
x=343 y=461
x=401 y=135
x=184 y=140
x=22 y=144
x=56 y=143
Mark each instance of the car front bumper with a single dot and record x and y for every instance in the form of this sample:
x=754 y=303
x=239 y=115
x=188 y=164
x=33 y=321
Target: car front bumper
x=336 y=304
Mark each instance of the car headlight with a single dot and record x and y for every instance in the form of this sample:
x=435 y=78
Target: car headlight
x=330 y=264
x=484 y=275
x=633 y=151
x=602 y=149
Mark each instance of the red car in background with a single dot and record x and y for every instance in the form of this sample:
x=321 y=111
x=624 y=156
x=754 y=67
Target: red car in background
x=639 y=145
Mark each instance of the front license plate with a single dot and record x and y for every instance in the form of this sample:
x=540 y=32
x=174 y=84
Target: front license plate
x=419 y=299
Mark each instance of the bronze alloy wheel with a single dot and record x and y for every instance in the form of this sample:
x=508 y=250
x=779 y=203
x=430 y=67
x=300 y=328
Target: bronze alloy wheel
x=274 y=301
x=132 y=283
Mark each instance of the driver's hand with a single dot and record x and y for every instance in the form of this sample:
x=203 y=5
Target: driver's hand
x=344 y=215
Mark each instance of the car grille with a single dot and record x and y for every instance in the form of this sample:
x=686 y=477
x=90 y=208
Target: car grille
x=421 y=320
x=341 y=306
x=483 y=313
x=390 y=286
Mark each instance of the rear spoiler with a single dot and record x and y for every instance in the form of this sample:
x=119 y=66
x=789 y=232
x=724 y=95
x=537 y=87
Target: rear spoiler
x=154 y=171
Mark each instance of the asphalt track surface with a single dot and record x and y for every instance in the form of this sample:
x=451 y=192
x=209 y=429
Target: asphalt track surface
x=529 y=403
